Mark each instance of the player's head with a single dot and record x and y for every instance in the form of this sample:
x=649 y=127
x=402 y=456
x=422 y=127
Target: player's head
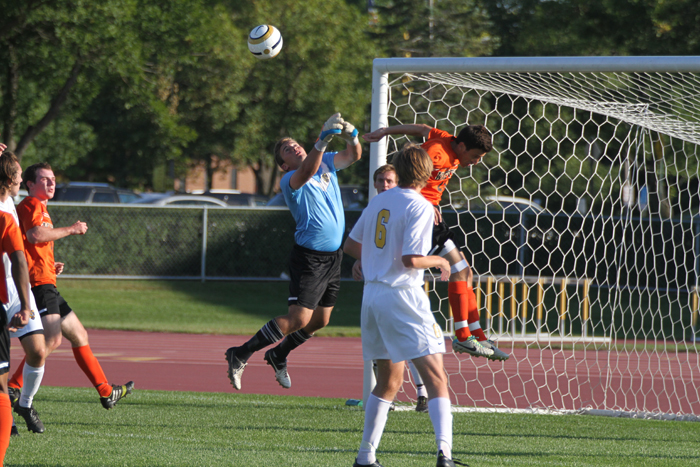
x=385 y=178
x=10 y=174
x=472 y=143
x=40 y=181
x=413 y=166
x=289 y=154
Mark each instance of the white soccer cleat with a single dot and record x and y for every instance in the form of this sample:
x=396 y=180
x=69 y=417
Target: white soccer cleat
x=280 y=368
x=497 y=353
x=472 y=347
x=235 y=368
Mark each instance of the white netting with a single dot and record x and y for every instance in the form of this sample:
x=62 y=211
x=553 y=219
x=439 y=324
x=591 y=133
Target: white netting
x=583 y=232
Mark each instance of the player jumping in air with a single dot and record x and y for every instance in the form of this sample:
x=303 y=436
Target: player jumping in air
x=392 y=237
x=448 y=153
x=311 y=191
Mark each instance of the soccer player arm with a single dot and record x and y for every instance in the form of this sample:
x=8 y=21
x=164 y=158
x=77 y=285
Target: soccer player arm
x=413 y=129
x=41 y=234
x=20 y=275
x=352 y=152
x=425 y=262
x=353 y=248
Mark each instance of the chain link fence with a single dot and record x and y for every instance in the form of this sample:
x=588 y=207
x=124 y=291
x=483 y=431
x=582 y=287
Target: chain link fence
x=147 y=242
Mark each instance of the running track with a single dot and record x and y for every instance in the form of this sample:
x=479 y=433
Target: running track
x=333 y=367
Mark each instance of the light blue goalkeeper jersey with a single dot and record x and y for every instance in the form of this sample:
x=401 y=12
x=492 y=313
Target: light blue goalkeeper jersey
x=317 y=208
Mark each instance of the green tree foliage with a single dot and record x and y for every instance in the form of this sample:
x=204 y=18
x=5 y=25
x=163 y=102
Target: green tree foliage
x=432 y=28
x=324 y=67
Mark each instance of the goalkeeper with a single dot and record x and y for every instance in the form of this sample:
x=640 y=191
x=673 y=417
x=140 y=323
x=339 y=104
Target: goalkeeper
x=311 y=190
x=448 y=153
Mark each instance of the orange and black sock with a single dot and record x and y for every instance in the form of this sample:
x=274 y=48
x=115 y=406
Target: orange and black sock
x=92 y=369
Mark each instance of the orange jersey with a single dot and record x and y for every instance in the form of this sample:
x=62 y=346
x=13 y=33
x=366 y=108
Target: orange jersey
x=445 y=164
x=11 y=241
x=42 y=267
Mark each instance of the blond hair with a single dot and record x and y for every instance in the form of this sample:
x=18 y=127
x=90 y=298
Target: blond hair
x=413 y=166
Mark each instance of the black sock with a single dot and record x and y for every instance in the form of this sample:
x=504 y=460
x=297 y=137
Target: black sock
x=268 y=334
x=290 y=343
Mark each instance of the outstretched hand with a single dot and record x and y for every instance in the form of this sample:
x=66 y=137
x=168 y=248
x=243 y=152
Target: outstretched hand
x=374 y=136
x=332 y=127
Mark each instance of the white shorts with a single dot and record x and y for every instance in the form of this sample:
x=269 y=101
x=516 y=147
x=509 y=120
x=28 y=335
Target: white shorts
x=14 y=305
x=397 y=324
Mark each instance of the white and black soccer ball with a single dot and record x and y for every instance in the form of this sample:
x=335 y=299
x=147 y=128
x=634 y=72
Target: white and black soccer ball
x=265 y=41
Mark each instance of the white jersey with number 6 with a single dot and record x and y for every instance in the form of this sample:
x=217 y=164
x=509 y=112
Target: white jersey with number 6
x=396 y=223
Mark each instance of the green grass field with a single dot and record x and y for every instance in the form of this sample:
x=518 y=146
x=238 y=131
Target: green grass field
x=158 y=428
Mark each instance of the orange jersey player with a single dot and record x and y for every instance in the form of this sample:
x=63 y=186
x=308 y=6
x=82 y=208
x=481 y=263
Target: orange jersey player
x=57 y=316
x=448 y=153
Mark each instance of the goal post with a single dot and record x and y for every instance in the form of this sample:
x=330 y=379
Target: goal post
x=582 y=226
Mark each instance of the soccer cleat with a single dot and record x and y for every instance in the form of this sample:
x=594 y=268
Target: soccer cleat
x=443 y=461
x=14 y=394
x=31 y=417
x=118 y=392
x=235 y=368
x=392 y=407
x=280 y=368
x=373 y=464
x=422 y=404
x=472 y=347
x=14 y=431
x=497 y=353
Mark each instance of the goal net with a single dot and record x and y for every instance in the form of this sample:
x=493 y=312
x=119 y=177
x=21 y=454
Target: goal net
x=582 y=226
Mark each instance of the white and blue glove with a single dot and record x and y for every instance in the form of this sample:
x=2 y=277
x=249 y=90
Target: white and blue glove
x=332 y=127
x=349 y=134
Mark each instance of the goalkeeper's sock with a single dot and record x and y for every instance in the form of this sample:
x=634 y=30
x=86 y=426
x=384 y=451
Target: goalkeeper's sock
x=267 y=335
x=421 y=391
x=376 y=413
x=440 y=411
x=458 y=296
x=17 y=380
x=291 y=342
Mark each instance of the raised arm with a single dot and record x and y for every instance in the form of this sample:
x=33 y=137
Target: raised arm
x=414 y=129
x=352 y=152
x=309 y=166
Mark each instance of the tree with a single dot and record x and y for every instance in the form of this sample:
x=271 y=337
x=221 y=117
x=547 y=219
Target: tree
x=432 y=28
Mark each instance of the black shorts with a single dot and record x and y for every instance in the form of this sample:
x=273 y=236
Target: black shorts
x=315 y=277
x=441 y=233
x=4 y=345
x=49 y=301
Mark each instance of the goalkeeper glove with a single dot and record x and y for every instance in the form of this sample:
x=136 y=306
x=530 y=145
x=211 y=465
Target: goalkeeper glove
x=349 y=134
x=332 y=127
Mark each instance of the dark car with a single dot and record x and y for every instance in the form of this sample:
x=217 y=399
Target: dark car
x=88 y=192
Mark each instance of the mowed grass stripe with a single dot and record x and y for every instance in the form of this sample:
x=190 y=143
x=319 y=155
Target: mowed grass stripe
x=159 y=428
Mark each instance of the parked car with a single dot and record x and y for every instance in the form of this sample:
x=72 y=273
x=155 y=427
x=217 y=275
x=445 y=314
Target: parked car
x=236 y=198
x=183 y=200
x=354 y=197
x=88 y=192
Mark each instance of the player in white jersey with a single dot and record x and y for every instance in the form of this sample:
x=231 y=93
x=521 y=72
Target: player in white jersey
x=393 y=239
x=384 y=179
x=31 y=336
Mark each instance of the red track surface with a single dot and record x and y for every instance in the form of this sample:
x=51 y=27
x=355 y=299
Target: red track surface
x=333 y=367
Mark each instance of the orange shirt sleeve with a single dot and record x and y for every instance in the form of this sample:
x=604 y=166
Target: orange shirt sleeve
x=11 y=241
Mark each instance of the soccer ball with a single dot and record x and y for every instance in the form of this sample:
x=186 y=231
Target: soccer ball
x=265 y=41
